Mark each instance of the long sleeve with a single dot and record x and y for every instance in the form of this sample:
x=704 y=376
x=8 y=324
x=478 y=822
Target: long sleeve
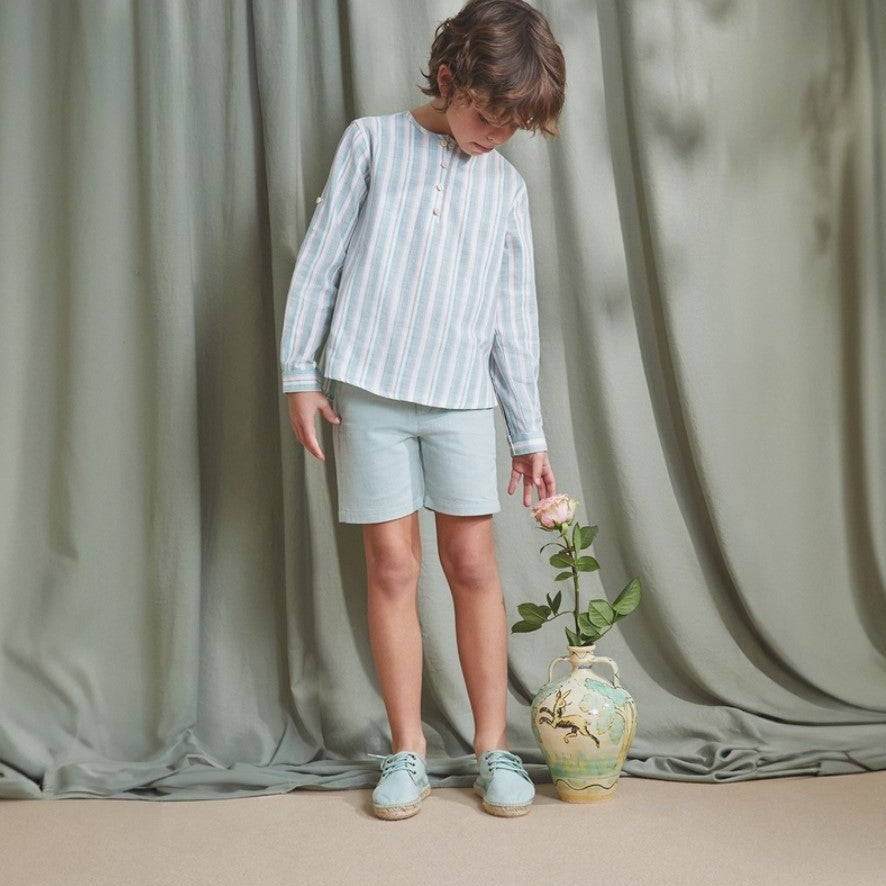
x=315 y=280
x=515 y=350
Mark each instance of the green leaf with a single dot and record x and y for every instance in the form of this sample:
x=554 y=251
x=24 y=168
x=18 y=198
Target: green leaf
x=586 y=564
x=588 y=534
x=534 y=613
x=572 y=638
x=600 y=613
x=629 y=599
x=562 y=576
x=561 y=560
x=554 y=602
x=525 y=627
x=588 y=630
x=576 y=537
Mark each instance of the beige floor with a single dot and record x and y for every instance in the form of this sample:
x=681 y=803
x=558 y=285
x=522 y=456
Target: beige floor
x=815 y=832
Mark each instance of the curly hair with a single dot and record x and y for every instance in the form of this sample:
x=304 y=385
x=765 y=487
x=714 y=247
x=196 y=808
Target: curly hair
x=503 y=56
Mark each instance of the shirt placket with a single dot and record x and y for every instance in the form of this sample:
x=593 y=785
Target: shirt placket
x=447 y=145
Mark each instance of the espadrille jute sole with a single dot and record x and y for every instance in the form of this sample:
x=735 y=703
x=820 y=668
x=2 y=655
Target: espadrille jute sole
x=395 y=813
x=502 y=811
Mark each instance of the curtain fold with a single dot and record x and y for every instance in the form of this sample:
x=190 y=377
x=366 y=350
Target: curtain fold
x=181 y=615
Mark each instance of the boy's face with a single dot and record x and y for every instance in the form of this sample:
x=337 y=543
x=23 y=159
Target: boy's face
x=475 y=128
x=473 y=124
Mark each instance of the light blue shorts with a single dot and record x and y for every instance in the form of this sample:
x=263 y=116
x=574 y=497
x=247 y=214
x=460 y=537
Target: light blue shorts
x=393 y=457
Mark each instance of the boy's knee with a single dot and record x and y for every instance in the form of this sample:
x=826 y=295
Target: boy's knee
x=395 y=572
x=468 y=568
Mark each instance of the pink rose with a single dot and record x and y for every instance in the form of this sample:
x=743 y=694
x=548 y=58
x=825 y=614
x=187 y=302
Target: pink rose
x=554 y=512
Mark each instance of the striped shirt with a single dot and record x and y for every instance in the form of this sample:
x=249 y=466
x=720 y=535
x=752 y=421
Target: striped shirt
x=415 y=280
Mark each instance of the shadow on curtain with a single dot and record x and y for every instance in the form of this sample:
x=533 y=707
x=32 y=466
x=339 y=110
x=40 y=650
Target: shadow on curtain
x=181 y=616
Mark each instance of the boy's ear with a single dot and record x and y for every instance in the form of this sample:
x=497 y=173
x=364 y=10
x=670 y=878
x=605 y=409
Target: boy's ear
x=444 y=81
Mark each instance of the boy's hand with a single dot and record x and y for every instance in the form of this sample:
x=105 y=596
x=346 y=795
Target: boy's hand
x=535 y=469
x=303 y=409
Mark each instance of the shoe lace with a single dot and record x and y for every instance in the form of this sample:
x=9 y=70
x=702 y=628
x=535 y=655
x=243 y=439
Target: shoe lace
x=399 y=762
x=505 y=760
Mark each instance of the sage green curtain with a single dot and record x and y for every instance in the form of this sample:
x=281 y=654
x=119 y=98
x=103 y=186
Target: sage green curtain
x=180 y=614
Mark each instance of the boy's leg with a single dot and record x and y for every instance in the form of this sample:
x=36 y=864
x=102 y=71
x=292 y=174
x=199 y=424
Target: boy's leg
x=467 y=554
x=393 y=561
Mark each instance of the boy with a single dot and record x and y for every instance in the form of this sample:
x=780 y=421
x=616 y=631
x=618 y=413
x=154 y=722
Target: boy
x=413 y=304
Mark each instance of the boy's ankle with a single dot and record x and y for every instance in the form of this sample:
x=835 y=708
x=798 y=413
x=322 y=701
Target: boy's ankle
x=482 y=744
x=419 y=748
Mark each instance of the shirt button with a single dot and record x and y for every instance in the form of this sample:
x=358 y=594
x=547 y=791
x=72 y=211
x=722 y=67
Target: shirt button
x=445 y=165
x=444 y=142
x=436 y=212
x=439 y=187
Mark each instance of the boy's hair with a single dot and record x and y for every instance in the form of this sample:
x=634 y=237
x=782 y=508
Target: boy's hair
x=502 y=55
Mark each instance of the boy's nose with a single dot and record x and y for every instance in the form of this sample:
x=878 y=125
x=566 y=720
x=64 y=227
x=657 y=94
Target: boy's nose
x=498 y=135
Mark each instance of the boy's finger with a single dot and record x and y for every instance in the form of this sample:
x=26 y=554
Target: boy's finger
x=308 y=438
x=528 y=486
x=327 y=412
x=314 y=448
x=549 y=484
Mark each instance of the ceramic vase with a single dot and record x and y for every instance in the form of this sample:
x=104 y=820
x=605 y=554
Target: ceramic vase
x=584 y=724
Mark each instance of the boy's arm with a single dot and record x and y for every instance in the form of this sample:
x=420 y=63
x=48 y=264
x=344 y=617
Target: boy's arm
x=315 y=280
x=515 y=347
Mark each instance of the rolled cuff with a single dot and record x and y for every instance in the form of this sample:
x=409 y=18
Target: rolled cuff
x=528 y=445
x=306 y=380
x=291 y=386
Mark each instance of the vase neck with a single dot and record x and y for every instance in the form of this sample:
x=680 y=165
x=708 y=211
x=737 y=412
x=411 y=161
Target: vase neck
x=581 y=655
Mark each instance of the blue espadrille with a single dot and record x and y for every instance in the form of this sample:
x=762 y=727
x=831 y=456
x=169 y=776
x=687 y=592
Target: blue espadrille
x=504 y=784
x=401 y=788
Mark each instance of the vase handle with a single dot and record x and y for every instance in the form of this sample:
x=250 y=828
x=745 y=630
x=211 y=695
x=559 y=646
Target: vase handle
x=615 y=681
x=554 y=664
